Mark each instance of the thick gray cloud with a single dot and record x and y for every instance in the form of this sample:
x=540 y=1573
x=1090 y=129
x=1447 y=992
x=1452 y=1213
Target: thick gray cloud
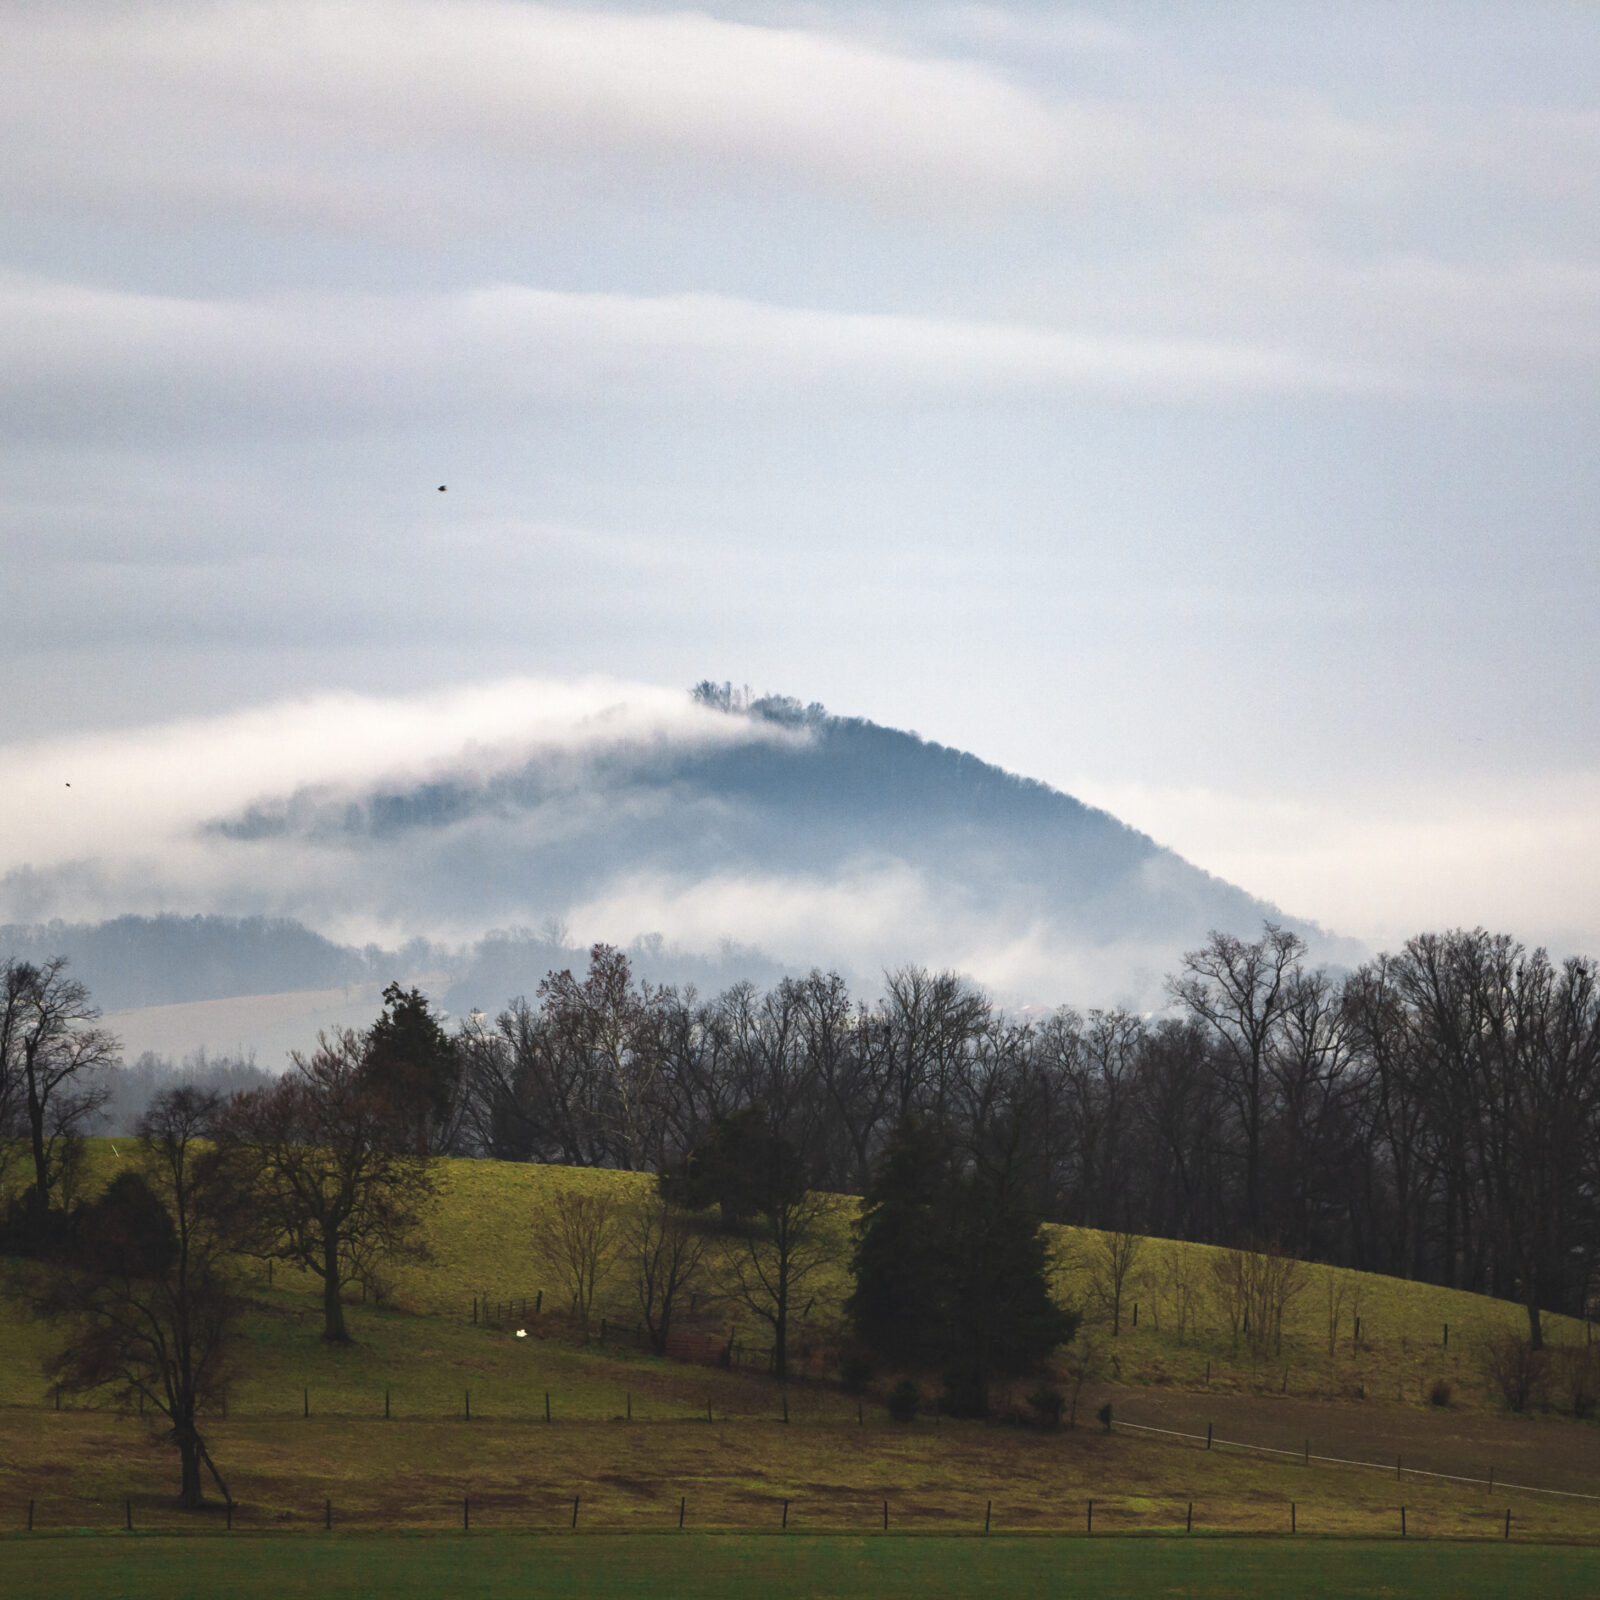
x=1190 y=407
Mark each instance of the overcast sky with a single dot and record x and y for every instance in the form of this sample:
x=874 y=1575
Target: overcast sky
x=1194 y=407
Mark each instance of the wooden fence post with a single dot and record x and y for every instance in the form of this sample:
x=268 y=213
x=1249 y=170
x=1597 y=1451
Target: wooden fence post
x=574 y=1511
x=785 y=1514
x=466 y=1513
x=1090 y=1525
x=683 y=1500
x=305 y=1402
x=1402 y=1522
x=1188 y=1521
x=988 y=1511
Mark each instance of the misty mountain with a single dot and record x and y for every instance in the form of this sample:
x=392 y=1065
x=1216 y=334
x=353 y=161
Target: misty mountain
x=716 y=841
x=806 y=837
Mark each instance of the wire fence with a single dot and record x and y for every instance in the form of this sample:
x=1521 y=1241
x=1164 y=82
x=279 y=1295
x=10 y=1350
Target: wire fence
x=1309 y=1457
x=868 y=1512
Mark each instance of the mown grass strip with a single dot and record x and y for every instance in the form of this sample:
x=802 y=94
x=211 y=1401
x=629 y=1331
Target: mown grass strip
x=735 y=1567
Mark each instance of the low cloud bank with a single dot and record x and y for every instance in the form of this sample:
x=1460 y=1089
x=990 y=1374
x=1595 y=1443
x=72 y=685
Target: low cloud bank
x=625 y=812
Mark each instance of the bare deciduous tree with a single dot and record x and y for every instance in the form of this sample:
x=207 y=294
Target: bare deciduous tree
x=665 y=1247
x=1255 y=1289
x=766 y=1262
x=1113 y=1258
x=52 y=1061
x=1239 y=991
x=1086 y=1363
x=1180 y=1283
x=575 y=1240
x=336 y=1188
x=148 y=1288
x=1336 y=1288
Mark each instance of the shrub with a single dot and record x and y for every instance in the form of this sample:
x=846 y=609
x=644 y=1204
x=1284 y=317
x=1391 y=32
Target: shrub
x=1575 y=1372
x=1441 y=1392
x=965 y=1394
x=855 y=1372
x=1048 y=1403
x=904 y=1400
x=1513 y=1369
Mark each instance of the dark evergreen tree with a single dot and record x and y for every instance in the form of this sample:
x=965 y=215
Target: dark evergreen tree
x=1001 y=1320
x=414 y=1063
x=950 y=1271
x=899 y=1305
x=742 y=1168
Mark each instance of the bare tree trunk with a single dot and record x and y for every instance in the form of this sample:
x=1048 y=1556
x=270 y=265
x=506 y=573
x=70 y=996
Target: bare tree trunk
x=333 y=1328
x=190 y=1496
x=780 y=1328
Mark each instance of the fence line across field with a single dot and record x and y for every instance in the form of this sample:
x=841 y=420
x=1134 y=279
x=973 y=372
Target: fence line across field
x=1344 y=1461
x=458 y=1513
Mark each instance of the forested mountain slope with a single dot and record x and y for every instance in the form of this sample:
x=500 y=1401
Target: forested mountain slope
x=749 y=841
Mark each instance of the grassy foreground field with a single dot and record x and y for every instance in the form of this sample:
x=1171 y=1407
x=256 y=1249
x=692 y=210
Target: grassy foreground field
x=736 y=1568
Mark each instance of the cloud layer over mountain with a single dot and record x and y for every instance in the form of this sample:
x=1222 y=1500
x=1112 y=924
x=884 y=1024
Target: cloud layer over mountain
x=621 y=811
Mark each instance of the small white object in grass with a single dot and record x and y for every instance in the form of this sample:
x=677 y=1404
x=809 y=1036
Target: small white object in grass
x=522 y=1333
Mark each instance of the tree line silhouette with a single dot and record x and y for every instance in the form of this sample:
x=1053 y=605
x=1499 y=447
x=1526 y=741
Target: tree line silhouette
x=1434 y=1114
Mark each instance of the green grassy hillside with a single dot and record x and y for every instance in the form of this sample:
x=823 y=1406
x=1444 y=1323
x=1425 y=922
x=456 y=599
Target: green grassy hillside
x=479 y=1245
x=637 y=1438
